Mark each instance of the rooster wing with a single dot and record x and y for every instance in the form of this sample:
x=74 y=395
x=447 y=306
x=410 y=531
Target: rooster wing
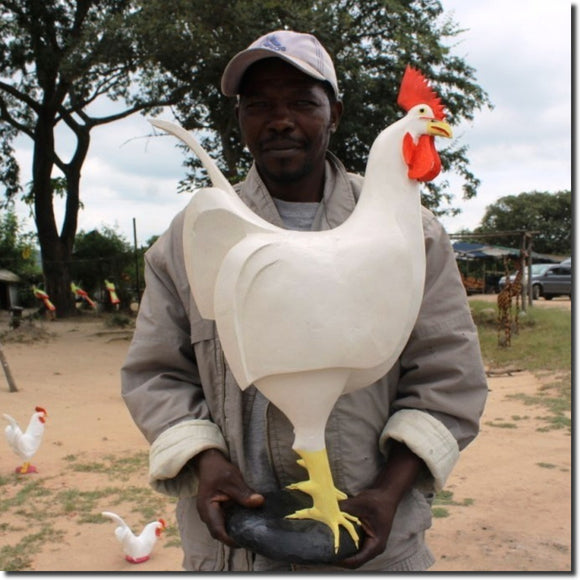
x=215 y=221
x=264 y=296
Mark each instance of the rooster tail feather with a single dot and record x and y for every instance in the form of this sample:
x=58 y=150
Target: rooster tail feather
x=217 y=177
x=10 y=419
x=113 y=516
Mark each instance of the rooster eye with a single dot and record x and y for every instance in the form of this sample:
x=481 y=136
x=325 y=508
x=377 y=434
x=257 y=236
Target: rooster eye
x=422 y=110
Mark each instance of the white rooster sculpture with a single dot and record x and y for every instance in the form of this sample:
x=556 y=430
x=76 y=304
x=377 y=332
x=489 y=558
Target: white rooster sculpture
x=26 y=444
x=306 y=316
x=137 y=549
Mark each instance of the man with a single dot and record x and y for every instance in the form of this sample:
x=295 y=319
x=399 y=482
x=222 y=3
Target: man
x=392 y=444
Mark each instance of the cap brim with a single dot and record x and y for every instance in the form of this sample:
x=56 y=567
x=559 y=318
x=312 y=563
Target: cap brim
x=237 y=67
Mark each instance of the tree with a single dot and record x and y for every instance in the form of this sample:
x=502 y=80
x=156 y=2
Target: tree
x=371 y=43
x=57 y=59
x=17 y=249
x=549 y=214
x=100 y=255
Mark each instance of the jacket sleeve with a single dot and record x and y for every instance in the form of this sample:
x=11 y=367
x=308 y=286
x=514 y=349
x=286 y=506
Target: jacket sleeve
x=160 y=380
x=442 y=386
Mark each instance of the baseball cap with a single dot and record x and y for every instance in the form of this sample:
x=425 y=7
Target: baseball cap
x=301 y=50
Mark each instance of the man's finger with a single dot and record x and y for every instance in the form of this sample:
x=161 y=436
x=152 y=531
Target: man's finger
x=215 y=523
x=246 y=497
x=367 y=552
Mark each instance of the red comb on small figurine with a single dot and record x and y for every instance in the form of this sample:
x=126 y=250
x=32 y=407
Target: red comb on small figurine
x=415 y=90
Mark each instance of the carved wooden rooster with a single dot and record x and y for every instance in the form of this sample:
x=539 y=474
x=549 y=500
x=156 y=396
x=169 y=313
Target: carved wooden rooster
x=25 y=444
x=137 y=548
x=304 y=315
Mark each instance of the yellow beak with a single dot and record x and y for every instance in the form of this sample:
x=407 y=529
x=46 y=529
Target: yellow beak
x=439 y=129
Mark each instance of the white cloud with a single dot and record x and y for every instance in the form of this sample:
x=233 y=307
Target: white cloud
x=521 y=52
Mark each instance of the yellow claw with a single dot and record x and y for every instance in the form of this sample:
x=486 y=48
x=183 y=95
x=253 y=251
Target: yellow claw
x=325 y=496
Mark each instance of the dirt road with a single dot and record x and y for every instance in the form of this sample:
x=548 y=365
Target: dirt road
x=511 y=488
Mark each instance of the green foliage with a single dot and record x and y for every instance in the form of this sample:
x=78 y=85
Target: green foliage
x=549 y=214
x=100 y=255
x=371 y=43
x=57 y=59
x=18 y=251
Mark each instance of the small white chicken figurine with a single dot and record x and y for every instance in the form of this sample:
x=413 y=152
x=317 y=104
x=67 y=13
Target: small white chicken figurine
x=304 y=316
x=137 y=549
x=26 y=444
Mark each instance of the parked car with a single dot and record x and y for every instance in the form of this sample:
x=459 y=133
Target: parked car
x=548 y=280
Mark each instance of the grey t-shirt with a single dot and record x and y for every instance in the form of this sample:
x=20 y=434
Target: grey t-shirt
x=296 y=216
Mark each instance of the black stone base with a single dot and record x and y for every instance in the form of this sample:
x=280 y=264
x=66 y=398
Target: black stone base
x=265 y=530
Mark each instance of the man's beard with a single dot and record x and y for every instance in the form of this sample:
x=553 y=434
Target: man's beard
x=286 y=176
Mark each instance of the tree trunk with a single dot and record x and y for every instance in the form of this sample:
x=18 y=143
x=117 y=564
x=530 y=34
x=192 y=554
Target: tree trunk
x=55 y=265
x=56 y=249
x=9 y=378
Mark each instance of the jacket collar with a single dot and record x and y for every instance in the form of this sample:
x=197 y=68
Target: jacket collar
x=339 y=197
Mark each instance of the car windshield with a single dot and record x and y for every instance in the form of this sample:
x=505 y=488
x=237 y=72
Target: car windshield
x=539 y=269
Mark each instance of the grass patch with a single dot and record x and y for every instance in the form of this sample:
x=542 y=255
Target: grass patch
x=501 y=425
x=16 y=558
x=439 y=512
x=445 y=498
x=544 y=340
x=556 y=398
x=121 y=468
x=33 y=506
x=543 y=344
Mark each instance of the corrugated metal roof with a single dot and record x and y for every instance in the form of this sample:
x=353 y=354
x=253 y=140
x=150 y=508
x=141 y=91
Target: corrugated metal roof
x=8 y=276
x=472 y=250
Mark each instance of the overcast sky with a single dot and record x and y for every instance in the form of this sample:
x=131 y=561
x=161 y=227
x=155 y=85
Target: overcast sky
x=521 y=52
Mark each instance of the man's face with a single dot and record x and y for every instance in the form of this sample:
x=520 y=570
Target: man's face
x=286 y=120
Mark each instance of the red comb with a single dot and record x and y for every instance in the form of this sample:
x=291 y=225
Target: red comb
x=40 y=410
x=415 y=90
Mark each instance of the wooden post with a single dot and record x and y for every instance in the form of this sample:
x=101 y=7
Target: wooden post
x=530 y=290
x=11 y=383
x=523 y=264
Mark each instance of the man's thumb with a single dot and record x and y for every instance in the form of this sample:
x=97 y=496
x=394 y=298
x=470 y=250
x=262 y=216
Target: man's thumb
x=251 y=499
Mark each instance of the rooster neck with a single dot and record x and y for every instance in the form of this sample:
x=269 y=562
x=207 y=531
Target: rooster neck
x=35 y=426
x=388 y=194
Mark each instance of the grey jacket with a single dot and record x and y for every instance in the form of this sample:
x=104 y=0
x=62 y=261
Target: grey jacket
x=181 y=394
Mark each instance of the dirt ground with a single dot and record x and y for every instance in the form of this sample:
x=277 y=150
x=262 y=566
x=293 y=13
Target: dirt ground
x=511 y=488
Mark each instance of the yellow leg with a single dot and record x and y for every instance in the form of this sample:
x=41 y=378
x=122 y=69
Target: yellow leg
x=25 y=466
x=324 y=495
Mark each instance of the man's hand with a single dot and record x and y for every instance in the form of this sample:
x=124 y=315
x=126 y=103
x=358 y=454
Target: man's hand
x=376 y=507
x=219 y=482
x=376 y=511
